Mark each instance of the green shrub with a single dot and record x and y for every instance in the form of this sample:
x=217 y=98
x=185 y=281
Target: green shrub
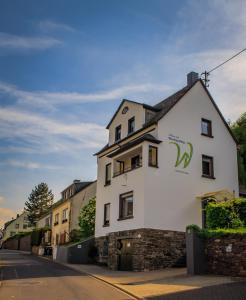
x=87 y=218
x=220 y=232
x=226 y=214
x=240 y=208
x=218 y=215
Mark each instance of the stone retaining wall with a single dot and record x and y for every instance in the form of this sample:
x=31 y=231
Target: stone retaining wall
x=227 y=255
x=152 y=249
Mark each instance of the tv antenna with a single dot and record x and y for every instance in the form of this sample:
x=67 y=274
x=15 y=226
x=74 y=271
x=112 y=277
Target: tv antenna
x=205 y=74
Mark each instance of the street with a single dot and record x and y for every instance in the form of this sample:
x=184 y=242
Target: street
x=27 y=277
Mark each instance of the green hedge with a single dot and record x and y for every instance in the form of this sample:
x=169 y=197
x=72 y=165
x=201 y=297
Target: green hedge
x=208 y=233
x=231 y=214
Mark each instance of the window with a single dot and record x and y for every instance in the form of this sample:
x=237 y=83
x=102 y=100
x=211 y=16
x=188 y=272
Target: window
x=206 y=128
x=153 y=156
x=135 y=162
x=207 y=166
x=118 y=133
x=108 y=174
x=56 y=219
x=64 y=215
x=47 y=221
x=106 y=214
x=24 y=226
x=126 y=206
x=17 y=226
x=131 y=125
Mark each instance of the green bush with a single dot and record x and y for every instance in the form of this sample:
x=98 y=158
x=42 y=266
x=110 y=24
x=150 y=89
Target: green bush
x=220 y=232
x=226 y=214
x=218 y=215
x=240 y=208
x=87 y=218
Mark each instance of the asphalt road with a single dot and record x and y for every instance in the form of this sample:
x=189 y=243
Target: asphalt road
x=27 y=277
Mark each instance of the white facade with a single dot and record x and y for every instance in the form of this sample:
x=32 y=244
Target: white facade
x=166 y=197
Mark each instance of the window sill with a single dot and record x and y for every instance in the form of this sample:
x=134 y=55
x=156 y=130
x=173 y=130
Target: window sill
x=106 y=225
x=125 y=218
x=209 y=177
x=64 y=221
x=56 y=223
x=207 y=135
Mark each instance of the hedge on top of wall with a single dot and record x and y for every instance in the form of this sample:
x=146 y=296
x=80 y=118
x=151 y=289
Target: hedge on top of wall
x=231 y=214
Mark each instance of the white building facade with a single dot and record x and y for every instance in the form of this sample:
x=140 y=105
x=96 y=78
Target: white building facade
x=159 y=161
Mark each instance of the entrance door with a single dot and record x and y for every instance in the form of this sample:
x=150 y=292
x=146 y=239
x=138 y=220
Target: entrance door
x=125 y=257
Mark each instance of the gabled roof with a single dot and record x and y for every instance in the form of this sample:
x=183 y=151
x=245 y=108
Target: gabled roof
x=79 y=186
x=163 y=107
x=126 y=100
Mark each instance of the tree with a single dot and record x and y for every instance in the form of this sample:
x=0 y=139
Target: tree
x=87 y=218
x=239 y=130
x=39 y=201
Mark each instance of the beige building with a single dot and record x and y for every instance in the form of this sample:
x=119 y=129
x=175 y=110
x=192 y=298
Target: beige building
x=157 y=161
x=45 y=220
x=66 y=211
x=18 y=225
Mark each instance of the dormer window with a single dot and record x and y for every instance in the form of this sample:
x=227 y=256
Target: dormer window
x=117 y=133
x=131 y=125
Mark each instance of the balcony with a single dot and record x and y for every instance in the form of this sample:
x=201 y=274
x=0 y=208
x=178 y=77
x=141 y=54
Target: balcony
x=127 y=162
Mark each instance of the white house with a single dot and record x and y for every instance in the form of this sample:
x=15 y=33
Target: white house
x=158 y=163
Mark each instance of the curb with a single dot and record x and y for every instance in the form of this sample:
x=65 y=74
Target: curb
x=93 y=276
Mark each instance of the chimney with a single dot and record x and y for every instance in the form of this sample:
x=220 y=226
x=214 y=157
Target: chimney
x=76 y=181
x=192 y=77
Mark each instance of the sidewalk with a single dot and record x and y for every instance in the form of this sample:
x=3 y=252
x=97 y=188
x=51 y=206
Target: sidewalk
x=144 y=285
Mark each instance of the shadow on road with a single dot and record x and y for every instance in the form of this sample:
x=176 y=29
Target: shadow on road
x=16 y=265
x=229 y=291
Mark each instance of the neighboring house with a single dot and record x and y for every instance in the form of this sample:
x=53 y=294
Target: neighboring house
x=66 y=211
x=158 y=162
x=45 y=220
x=18 y=225
x=79 y=200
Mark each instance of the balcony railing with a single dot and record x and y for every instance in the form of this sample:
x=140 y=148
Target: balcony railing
x=125 y=170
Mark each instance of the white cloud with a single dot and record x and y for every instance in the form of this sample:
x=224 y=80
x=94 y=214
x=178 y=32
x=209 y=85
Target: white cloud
x=27 y=165
x=47 y=26
x=10 y=41
x=44 y=135
x=51 y=98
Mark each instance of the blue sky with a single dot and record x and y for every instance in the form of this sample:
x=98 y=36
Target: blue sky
x=66 y=65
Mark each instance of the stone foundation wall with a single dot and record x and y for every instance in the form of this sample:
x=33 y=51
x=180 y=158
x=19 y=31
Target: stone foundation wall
x=227 y=255
x=152 y=249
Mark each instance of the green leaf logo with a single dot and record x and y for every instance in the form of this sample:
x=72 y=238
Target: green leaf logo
x=185 y=158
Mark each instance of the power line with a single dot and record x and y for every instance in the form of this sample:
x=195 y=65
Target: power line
x=207 y=73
